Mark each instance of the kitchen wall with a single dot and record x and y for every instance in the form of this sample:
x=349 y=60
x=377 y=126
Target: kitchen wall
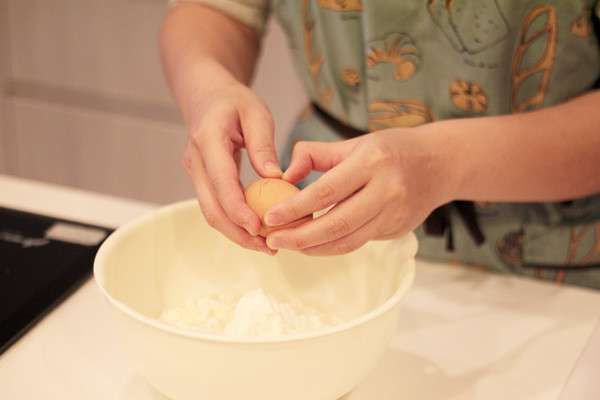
x=84 y=102
x=4 y=63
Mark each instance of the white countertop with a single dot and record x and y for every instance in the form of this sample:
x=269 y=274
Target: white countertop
x=462 y=334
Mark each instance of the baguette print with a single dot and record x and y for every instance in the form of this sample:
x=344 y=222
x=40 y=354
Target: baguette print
x=582 y=25
x=397 y=113
x=341 y=5
x=397 y=49
x=468 y=96
x=540 y=70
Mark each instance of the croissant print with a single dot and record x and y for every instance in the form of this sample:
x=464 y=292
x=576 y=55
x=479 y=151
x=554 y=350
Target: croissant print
x=397 y=113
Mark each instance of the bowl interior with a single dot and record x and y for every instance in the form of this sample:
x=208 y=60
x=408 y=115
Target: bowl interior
x=159 y=260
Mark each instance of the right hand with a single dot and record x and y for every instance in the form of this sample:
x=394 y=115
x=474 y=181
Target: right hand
x=222 y=122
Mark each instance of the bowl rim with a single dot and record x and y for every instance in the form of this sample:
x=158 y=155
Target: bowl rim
x=124 y=230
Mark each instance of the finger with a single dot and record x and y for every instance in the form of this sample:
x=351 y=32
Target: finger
x=335 y=185
x=258 y=128
x=215 y=215
x=223 y=175
x=186 y=160
x=315 y=156
x=345 y=218
x=390 y=236
x=237 y=158
x=351 y=242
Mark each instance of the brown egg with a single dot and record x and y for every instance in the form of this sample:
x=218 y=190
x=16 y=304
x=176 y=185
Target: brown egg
x=264 y=194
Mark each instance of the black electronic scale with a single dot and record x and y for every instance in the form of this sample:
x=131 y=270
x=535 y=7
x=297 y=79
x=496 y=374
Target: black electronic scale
x=42 y=261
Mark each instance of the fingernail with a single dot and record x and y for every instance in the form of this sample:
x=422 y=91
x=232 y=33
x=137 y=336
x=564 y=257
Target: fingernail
x=250 y=229
x=272 y=219
x=272 y=168
x=285 y=176
x=272 y=243
x=266 y=250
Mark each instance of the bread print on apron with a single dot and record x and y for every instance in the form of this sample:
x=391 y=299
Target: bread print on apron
x=398 y=113
x=471 y=26
x=539 y=29
x=314 y=58
x=341 y=5
x=468 y=96
x=580 y=254
x=350 y=77
x=582 y=25
x=397 y=49
x=510 y=249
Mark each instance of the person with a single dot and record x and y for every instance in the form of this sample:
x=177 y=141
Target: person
x=474 y=123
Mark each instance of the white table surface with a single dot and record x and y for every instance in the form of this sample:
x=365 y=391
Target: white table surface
x=462 y=334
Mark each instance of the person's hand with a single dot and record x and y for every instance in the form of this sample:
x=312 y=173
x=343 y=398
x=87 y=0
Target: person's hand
x=384 y=185
x=220 y=124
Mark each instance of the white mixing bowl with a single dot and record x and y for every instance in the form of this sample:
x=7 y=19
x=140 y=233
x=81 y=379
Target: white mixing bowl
x=158 y=260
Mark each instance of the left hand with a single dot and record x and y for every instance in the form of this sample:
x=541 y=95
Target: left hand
x=383 y=185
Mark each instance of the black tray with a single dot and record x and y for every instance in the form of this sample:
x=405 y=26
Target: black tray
x=42 y=261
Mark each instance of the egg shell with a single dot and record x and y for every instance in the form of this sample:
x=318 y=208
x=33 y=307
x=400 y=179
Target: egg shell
x=263 y=194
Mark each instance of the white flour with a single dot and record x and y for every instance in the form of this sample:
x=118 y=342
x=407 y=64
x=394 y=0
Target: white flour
x=255 y=314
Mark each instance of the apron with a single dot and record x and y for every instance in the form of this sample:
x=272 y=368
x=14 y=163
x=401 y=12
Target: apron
x=375 y=64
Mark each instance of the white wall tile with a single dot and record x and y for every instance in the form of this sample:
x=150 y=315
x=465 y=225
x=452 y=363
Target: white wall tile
x=107 y=50
x=110 y=154
x=105 y=46
x=110 y=47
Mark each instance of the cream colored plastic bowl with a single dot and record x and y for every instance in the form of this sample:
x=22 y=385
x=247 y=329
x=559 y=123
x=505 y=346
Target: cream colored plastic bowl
x=155 y=261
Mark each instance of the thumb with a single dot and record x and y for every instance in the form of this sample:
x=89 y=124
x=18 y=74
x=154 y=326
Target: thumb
x=317 y=156
x=257 y=126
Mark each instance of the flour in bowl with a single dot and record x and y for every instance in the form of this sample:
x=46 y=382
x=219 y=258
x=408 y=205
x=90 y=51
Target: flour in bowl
x=254 y=314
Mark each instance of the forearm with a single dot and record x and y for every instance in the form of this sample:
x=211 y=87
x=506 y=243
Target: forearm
x=547 y=155
x=204 y=46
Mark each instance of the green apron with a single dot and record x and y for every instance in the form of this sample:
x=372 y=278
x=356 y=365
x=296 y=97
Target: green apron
x=376 y=64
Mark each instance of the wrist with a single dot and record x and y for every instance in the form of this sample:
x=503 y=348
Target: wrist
x=200 y=83
x=448 y=159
